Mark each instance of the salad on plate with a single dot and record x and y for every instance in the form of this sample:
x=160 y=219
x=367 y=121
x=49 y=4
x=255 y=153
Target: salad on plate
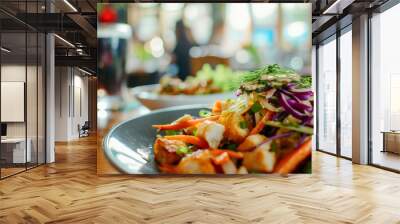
x=266 y=129
x=206 y=81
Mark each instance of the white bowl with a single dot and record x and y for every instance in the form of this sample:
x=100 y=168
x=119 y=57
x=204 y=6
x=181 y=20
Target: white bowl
x=149 y=97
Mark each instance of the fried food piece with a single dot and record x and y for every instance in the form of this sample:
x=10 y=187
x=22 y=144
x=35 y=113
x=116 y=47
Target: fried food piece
x=251 y=142
x=165 y=150
x=229 y=167
x=212 y=132
x=198 y=162
x=242 y=170
x=236 y=127
x=261 y=159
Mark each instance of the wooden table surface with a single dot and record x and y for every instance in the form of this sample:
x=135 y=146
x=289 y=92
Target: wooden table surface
x=70 y=191
x=106 y=120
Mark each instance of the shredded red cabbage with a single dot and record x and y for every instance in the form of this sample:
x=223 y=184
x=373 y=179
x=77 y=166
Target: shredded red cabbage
x=290 y=109
x=290 y=94
x=303 y=95
x=308 y=122
x=300 y=106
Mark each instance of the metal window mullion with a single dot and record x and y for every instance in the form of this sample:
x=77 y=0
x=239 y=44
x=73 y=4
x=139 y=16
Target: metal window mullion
x=45 y=88
x=45 y=94
x=338 y=94
x=69 y=92
x=73 y=92
x=26 y=87
x=316 y=97
x=369 y=95
x=60 y=76
x=37 y=91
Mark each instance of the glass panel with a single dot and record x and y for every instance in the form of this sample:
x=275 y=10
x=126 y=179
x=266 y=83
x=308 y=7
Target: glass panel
x=13 y=87
x=31 y=98
x=385 y=89
x=22 y=81
x=346 y=94
x=41 y=99
x=327 y=97
x=32 y=101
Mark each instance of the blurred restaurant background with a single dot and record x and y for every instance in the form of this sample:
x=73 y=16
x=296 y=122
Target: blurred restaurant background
x=140 y=43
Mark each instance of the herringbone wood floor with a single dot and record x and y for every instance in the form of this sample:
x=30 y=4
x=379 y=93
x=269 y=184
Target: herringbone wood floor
x=69 y=191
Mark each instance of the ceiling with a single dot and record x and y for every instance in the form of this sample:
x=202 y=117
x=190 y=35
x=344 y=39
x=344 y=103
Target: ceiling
x=330 y=15
x=77 y=24
x=73 y=20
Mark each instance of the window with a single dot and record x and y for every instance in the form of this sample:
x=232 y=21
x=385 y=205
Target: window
x=327 y=96
x=385 y=89
x=346 y=94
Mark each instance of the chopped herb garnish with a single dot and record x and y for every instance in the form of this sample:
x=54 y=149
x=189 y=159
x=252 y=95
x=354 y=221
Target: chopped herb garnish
x=273 y=70
x=243 y=124
x=256 y=107
x=271 y=76
x=274 y=146
x=183 y=150
x=172 y=132
x=204 y=113
x=231 y=146
x=305 y=82
x=302 y=129
x=291 y=123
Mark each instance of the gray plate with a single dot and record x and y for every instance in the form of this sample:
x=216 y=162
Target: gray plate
x=129 y=145
x=148 y=96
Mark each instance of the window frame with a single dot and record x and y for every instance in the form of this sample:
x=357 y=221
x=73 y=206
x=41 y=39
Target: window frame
x=333 y=37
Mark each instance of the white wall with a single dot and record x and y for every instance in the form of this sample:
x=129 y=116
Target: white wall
x=16 y=73
x=71 y=93
x=61 y=104
x=80 y=110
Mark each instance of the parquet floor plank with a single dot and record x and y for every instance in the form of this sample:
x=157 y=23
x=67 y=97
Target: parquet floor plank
x=69 y=191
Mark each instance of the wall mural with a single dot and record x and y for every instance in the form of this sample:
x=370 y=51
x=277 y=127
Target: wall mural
x=222 y=88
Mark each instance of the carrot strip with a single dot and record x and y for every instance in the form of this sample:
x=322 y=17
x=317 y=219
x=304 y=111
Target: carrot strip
x=232 y=154
x=217 y=106
x=221 y=158
x=189 y=139
x=261 y=124
x=183 y=124
x=199 y=120
x=177 y=126
x=293 y=159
